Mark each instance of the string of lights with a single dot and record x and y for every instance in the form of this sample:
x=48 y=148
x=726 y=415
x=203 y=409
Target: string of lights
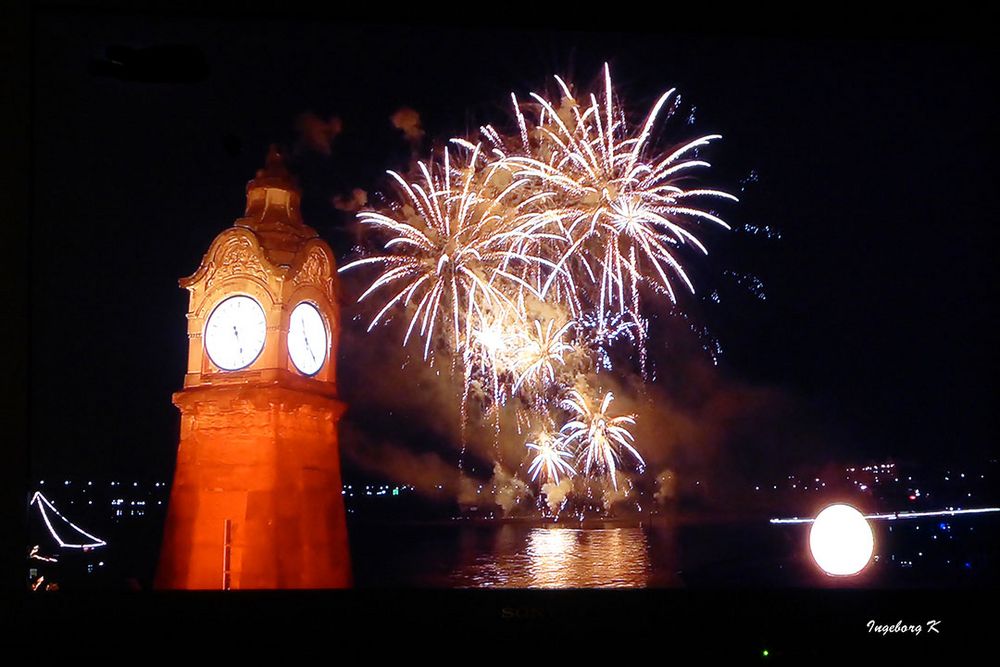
x=893 y=516
x=42 y=503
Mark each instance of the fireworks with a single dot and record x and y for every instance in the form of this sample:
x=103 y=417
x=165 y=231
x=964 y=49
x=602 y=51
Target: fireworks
x=538 y=353
x=597 y=436
x=453 y=250
x=621 y=213
x=513 y=254
x=552 y=458
x=489 y=352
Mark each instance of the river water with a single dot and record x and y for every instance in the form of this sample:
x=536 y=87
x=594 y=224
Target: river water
x=544 y=557
x=463 y=554
x=522 y=555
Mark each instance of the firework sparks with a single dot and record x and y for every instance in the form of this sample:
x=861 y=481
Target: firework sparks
x=490 y=350
x=604 y=331
x=539 y=244
x=551 y=458
x=538 y=353
x=597 y=436
x=452 y=249
x=621 y=211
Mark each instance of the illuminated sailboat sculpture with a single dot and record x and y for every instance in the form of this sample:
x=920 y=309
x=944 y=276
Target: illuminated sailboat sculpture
x=66 y=533
x=257 y=498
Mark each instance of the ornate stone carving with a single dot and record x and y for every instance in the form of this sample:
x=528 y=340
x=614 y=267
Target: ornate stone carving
x=316 y=271
x=236 y=257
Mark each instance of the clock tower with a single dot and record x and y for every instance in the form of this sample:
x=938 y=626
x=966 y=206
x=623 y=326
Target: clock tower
x=257 y=497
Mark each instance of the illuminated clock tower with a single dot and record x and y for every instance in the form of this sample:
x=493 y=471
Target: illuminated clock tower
x=257 y=495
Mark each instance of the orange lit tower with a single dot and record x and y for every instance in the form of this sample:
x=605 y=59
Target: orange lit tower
x=256 y=500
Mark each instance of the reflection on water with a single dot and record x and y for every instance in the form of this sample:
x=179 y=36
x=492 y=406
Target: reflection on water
x=556 y=557
x=661 y=554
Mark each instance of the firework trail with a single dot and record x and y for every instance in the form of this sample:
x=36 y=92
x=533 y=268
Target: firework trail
x=510 y=253
x=619 y=211
x=550 y=459
x=538 y=353
x=450 y=249
x=596 y=436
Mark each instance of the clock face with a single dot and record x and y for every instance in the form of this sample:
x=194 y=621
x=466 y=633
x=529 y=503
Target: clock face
x=234 y=335
x=307 y=340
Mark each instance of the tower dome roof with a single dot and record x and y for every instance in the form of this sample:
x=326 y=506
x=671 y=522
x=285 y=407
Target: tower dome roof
x=274 y=173
x=273 y=213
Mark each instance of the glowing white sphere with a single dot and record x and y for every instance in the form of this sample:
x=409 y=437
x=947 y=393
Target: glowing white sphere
x=841 y=540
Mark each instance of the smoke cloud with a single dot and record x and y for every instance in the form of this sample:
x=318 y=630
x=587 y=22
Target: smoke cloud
x=556 y=494
x=666 y=487
x=357 y=200
x=316 y=134
x=428 y=472
x=408 y=122
x=613 y=495
x=510 y=493
x=703 y=435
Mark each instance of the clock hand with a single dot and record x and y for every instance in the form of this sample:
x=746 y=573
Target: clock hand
x=239 y=346
x=306 y=339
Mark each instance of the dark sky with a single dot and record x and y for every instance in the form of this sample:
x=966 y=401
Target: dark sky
x=873 y=159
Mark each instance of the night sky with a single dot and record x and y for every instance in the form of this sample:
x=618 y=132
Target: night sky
x=870 y=156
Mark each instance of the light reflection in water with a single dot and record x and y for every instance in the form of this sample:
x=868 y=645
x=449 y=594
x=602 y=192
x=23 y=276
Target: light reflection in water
x=551 y=557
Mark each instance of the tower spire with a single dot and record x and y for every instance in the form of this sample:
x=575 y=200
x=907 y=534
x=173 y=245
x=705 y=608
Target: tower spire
x=273 y=200
x=274 y=174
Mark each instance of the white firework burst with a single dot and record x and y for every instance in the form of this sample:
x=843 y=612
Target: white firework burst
x=597 y=436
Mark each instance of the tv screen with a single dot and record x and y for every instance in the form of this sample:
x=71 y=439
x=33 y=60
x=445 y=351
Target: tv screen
x=377 y=309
